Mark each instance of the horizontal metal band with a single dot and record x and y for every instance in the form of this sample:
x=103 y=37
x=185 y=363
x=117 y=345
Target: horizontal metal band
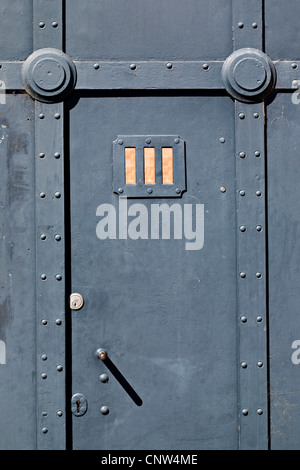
x=10 y=74
x=151 y=75
x=157 y=75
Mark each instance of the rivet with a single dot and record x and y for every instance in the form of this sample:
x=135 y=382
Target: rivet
x=295 y=83
x=101 y=354
x=258 y=228
x=294 y=66
x=58 y=322
x=254 y=25
x=120 y=142
x=243 y=275
x=42 y=24
x=258 y=193
x=223 y=189
x=245 y=412
x=243 y=319
x=57 y=116
x=255 y=115
x=259 y=411
x=148 y=141
x=169 y=65
x=257 y=153
x=150 y=190
x=244 y=365
x=42 y=155
x=260 y=364
x=241 y=115
x=242 y=192
x=258 y=275
x=57 y=237
x=44 y=413
x=178 y=191
x=240 y=25
x=43 y=277
x=259 y=319
x=42 y=195
x=177 y=140
x=59 y=367
x=104 y=410
x=58 y=277
x=120 y=190
x=57 y=155
x=44 y=357
x=96 y=66
x=44 y=430
x=242 y=228
x=104 y=378
x=222 y=140
x=43 y=236
x=41 y=116
x=44 y=322
x=133 y=66
x=44 y=376
x=242 y=154
x=54 y=24
x=205 y=66
x=57 y=194
x=59 y=413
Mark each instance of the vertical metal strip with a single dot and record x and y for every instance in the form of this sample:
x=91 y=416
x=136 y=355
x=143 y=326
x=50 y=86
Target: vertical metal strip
x=47 y=24
x=251 y=272
x=50 y=251
x=251 y=243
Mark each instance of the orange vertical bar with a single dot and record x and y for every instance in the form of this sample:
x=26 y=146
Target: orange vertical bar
x=167 y=165
x=149 y=165
x=130 y=166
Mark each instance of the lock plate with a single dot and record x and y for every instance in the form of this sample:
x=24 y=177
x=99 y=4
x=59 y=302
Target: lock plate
x=76 y=301
x=79 y=404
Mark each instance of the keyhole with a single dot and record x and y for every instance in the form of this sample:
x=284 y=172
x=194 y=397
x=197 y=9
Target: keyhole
x=78 y=406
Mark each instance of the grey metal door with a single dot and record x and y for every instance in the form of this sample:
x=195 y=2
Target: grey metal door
x=149 y=277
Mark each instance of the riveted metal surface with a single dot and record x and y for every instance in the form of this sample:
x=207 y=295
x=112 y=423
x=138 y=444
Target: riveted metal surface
x=182 y=341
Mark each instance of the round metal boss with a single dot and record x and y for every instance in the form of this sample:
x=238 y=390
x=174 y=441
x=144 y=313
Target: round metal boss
x=248 y=75
x=49 y=75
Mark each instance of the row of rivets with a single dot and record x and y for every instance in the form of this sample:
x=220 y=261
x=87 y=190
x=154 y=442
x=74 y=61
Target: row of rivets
x=243 y=275
x=57 y=237
x=243 y=154
x=244 y=319
x=102 y=355
x=44 y=277
x=169 y=66
x=57 y=195
x=243 y=228
x=245 y=411
x=56 y=116
x=58 y=322
x=56 y=155
x=243 y=116
x=244 y=364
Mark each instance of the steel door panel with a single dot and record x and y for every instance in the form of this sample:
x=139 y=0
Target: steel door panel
x=129 y=30
x=159 y=310
x=202 y=344
x=283 y=208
